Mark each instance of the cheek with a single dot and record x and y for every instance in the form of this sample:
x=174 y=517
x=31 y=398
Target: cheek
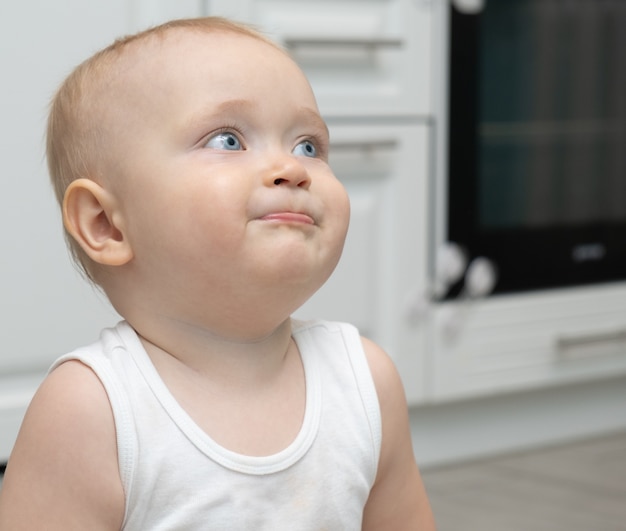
x=213 y=219
x=184 y=225
x=208 y=225
x=335 y=226
x=338 y=208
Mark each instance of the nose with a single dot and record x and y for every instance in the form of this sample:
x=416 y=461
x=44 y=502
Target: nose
x=287 y=170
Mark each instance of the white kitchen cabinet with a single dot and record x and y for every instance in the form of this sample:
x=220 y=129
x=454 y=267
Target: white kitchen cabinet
x=517 y=342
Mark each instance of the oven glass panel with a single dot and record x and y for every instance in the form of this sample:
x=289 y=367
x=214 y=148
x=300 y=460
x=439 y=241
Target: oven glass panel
x=551 y=104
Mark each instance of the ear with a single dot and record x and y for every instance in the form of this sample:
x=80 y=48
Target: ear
x=92 y=219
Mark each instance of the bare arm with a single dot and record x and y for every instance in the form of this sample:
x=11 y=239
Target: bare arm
x=63 y=473
x=398 y=500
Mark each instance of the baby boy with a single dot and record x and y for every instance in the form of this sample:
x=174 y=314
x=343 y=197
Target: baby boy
x=191 y=163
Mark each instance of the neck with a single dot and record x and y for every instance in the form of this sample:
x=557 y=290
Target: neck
x=220 y=356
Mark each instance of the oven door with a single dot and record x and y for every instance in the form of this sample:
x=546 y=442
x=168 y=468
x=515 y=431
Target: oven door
x=537 y=139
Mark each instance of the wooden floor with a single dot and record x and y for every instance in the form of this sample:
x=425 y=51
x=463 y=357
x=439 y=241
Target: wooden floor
x=575 y=487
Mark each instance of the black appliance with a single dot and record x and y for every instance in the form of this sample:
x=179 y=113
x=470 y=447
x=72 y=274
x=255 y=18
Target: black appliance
x=537 y=139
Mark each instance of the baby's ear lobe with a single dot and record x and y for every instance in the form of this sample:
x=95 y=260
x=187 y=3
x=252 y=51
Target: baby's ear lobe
x=92 y=219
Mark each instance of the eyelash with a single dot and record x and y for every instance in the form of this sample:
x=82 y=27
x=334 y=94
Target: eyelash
x=232 y=129
x=320 y=144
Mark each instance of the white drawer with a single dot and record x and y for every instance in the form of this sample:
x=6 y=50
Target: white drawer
x=517 y=342
x=362 y=57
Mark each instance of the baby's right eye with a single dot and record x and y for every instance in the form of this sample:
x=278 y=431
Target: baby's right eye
x=224 y=140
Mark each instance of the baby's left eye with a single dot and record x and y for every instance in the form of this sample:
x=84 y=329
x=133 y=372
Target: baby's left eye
x=305 y=149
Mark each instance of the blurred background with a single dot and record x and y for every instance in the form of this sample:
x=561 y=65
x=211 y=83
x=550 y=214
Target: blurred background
x=482 y=145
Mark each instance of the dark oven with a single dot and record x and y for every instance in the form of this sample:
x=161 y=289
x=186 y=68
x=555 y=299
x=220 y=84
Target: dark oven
x=537 y=139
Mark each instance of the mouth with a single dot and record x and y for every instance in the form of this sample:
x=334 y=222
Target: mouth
x=289 y=217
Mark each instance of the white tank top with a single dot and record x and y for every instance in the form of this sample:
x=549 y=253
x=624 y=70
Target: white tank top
x=176 y=477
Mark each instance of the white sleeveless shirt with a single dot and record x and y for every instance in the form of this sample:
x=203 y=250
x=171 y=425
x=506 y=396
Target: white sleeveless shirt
x=176 y=477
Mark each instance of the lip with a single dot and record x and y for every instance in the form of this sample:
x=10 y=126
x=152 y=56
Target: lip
x=288 y=217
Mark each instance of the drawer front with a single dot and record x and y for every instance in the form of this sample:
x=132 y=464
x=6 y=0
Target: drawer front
x=518 y=342
x=362 y=58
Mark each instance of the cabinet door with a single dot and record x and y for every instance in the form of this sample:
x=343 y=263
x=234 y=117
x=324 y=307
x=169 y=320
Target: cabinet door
x=383 y=167
x=362 y=58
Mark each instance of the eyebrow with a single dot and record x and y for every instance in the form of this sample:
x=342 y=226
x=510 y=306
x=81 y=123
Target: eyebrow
x=199 y=118
x=233 y=105
x=238 y=105
x=314 y=117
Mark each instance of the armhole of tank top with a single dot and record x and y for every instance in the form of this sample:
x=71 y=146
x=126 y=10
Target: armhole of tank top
x=365 y=384
x=122 y=415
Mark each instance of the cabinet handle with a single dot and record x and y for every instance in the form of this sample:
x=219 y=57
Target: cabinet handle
x=565 y=342
x=363 y=145
x=342 y=42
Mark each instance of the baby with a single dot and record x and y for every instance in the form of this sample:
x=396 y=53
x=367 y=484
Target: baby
x=191 y=164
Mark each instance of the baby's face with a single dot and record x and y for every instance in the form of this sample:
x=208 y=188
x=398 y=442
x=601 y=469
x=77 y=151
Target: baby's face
x=223 y=177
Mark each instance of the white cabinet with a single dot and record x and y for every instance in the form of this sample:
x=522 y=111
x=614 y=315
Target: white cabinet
x=510 y=343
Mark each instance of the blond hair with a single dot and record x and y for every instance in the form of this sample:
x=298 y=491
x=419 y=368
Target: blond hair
x=74 y=138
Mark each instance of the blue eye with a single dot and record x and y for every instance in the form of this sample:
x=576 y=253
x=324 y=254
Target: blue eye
x=226 y=141
x=305 y=149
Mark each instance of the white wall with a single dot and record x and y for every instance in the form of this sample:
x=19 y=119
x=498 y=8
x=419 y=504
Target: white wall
x=45 y=307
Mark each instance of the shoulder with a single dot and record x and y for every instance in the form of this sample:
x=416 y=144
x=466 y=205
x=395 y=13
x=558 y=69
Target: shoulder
x=384 y=373
x=391 y=396
x=398 y=499
x=65 y=457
